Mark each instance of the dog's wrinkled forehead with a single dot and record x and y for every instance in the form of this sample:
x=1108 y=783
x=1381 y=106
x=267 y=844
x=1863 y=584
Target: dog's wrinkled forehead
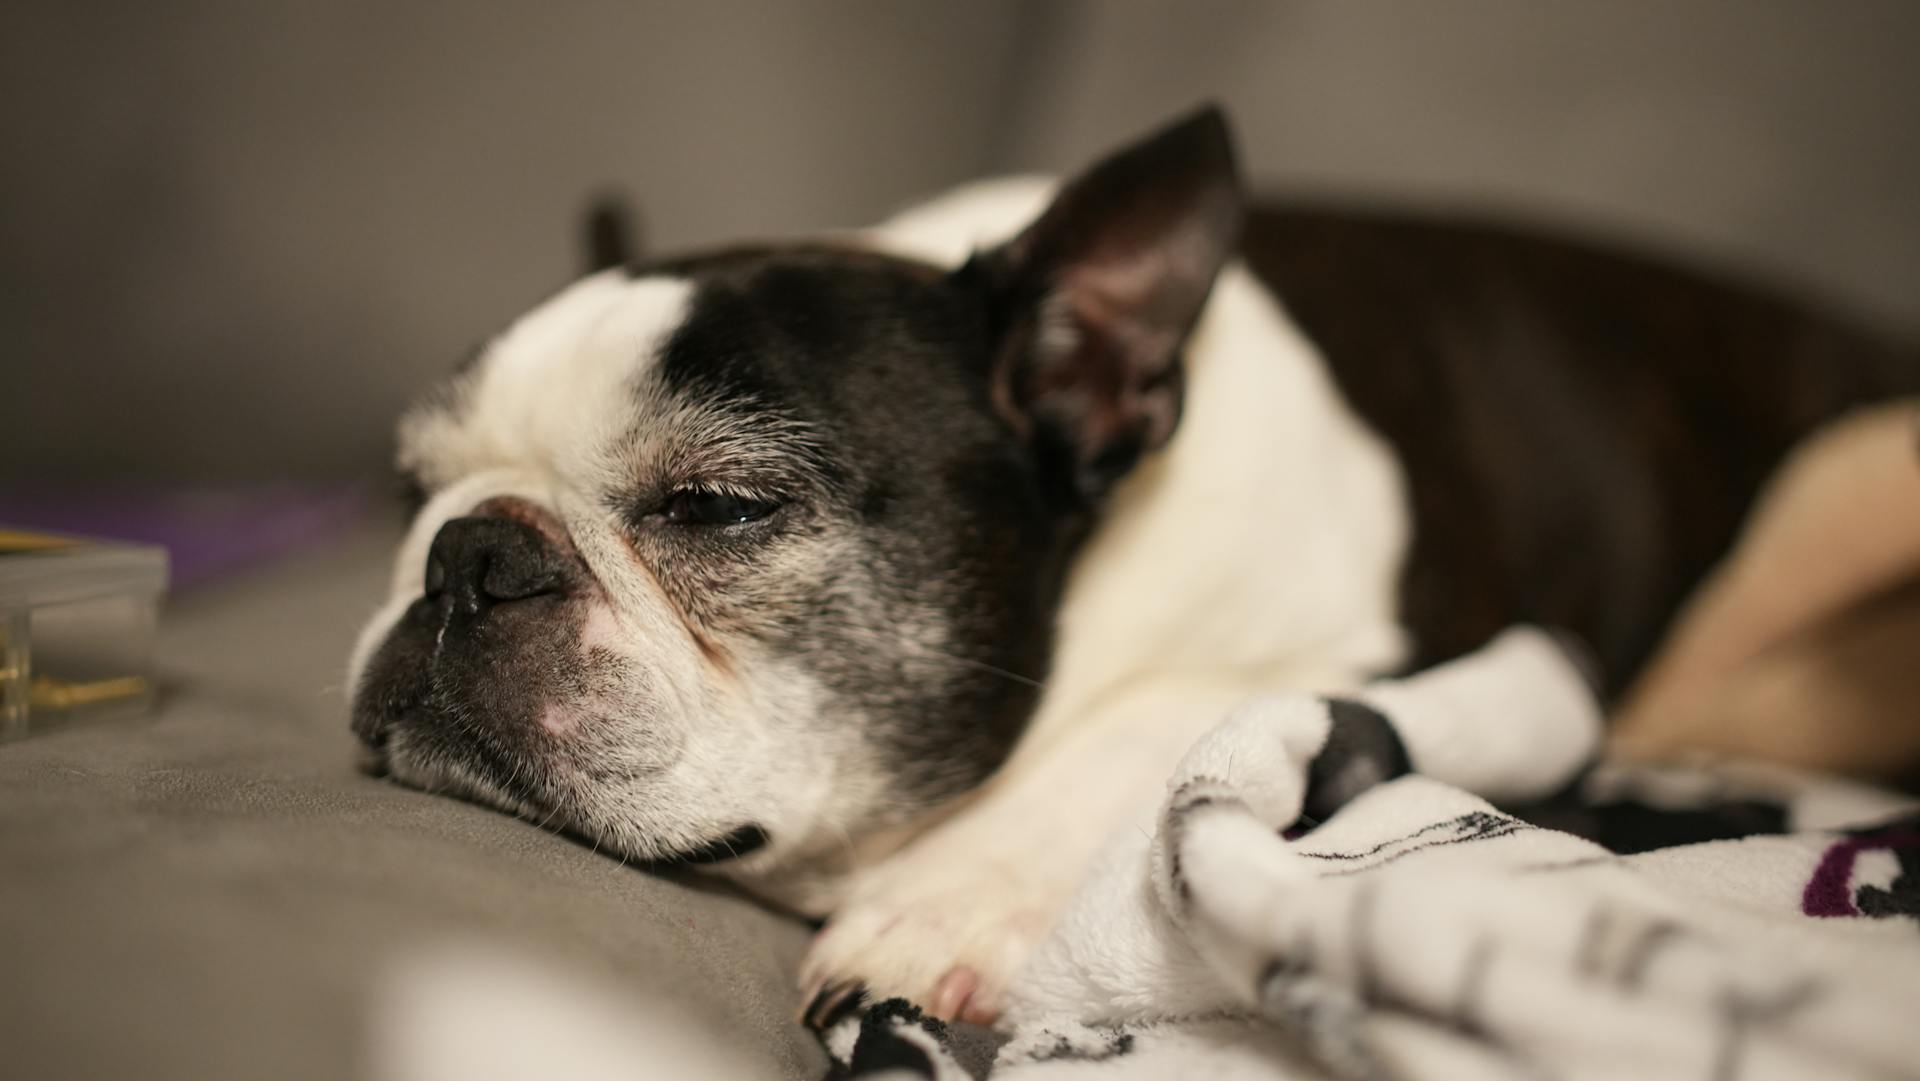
x=556 y=387
x=734 y=363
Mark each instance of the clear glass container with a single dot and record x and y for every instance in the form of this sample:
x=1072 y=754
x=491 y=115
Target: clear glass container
x=77 y=621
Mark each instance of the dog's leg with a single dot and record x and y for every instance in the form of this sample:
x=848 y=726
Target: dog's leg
x=948 y=920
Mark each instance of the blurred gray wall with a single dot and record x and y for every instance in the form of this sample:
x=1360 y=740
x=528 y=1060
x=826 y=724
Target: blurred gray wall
x=1777 y=135
x=236 y=237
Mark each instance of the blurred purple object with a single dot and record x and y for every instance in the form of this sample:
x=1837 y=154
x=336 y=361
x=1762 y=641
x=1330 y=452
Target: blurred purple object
x=208 y=532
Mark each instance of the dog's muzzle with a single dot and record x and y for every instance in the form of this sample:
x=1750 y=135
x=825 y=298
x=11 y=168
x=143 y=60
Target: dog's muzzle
x=484 y=576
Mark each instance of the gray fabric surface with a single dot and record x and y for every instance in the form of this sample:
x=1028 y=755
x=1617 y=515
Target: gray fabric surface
x=214 y=892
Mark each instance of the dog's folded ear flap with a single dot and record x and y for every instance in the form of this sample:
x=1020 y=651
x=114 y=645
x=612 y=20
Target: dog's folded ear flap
x=611 y=236
x=1098 y=296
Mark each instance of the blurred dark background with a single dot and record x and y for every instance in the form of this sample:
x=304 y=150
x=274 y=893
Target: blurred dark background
x=239 y=236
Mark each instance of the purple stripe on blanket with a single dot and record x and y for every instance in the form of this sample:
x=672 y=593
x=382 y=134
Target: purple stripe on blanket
x=1830 y=891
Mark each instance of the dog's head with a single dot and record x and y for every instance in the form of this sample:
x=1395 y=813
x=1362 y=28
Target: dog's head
x=759 y=549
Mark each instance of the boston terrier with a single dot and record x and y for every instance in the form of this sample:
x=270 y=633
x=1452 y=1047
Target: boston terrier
x=886 y=572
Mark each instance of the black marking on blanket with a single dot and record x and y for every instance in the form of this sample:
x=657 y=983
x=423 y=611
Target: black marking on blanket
x=1467 y=1014
x=894 y=1035
x=1593 y=938
x=1279 y=987
x=1326 y=1015
x=1115 y=1043
x=1557 y=866
x=1638 y=955
x=1360 y=919
x=1902 y=895
x=1469 y=827
x=1284 y=991
x=1180 y=806
x=1184 y=805
x=1741 y=1013
x=1627 y=826
x=1903 y=899
x=1620 y=948
x=1280 y=969
x=1362 y=750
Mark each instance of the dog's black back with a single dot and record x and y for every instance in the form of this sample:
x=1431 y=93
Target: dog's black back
x=1582 y=430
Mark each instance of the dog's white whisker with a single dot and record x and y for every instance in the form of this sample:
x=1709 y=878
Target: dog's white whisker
x=979 y=666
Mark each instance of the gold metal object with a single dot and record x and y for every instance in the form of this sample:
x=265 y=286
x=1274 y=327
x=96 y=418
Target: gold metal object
x=50 y=693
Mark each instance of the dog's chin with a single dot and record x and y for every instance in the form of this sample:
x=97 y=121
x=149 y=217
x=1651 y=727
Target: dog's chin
x=738 y=844
x=533 y=792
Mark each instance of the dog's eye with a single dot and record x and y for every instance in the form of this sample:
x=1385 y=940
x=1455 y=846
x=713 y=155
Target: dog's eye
x=695 y=506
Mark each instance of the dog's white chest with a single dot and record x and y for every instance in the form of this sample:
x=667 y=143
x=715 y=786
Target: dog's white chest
x=1265 y=543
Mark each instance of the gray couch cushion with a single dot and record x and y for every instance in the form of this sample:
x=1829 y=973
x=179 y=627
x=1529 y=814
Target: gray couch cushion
x=216 y=893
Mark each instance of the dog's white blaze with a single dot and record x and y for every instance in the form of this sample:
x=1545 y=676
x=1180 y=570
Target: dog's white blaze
x=556 y=386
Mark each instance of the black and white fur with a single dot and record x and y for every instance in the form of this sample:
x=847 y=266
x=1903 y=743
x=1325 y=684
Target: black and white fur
x=887 y=572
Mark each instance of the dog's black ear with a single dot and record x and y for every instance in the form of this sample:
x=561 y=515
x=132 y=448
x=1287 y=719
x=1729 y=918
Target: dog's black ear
x=1097 y=297
x=612 y=234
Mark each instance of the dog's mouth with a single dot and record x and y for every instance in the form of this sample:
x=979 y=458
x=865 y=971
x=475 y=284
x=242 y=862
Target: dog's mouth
x=482 y=790
x=743 y=841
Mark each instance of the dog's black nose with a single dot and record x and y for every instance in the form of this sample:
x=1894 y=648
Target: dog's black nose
x=476 y=563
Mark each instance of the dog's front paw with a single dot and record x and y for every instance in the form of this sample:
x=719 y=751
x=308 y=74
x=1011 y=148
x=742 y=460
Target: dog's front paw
x=943 y=929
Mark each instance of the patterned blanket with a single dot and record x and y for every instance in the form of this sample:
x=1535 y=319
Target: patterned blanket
x=1325 y=898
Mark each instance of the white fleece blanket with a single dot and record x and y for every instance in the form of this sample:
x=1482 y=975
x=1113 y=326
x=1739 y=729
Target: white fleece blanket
x=1309 y=909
